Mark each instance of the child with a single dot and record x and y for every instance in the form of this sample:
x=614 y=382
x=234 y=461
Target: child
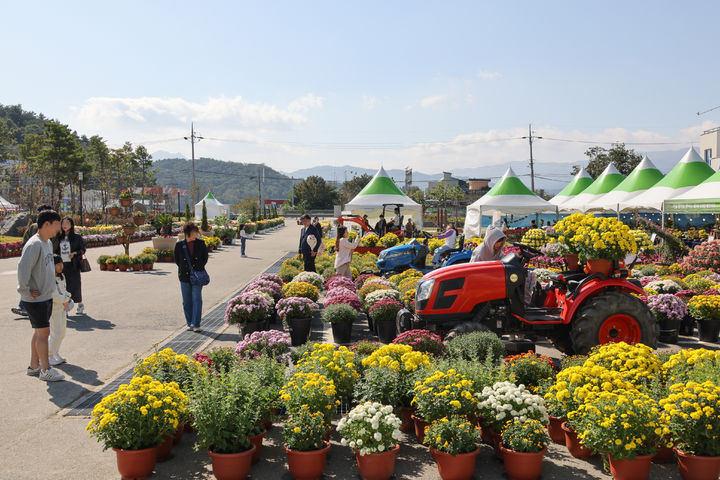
x=58 y=320
x=243 y=239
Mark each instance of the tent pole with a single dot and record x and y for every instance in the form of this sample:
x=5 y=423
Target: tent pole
x=557 y=214
x=618 y=211
x=662 y=215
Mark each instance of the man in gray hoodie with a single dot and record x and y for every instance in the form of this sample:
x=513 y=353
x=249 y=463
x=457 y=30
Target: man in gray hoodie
x=36 y=283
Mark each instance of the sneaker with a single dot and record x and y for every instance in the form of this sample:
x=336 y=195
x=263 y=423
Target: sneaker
x=51 y=375
x=33 y=372
x=197 y=329
x=19 y=312
x=244 y=256
x=56 y=360
x=189 y=328
x=80 y=309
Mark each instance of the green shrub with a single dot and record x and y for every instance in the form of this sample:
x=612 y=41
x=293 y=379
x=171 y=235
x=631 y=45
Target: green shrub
x=123 y=260
x=288 y=272
x=102 y=259
x=477 y=346
x=339 y=313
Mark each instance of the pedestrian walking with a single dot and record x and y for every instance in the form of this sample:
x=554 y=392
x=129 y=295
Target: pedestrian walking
x=71 y=248
x=36 y=284
x=243 y=239
x=191 y=251
x=310 y=241
x=62 y=303
x=344 y=249
x=30 y=230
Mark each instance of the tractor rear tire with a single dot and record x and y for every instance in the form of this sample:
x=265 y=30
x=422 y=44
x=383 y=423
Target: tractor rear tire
x=466 y=327
x=613 y=316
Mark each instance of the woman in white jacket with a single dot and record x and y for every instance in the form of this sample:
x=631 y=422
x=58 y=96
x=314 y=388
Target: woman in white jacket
x=58 y=319
x=344 y=250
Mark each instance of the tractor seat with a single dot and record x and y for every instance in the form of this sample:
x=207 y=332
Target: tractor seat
x=420 y=257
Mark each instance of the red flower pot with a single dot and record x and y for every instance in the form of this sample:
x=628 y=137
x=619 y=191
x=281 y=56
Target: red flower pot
x=122 y=268
x=573 y=443
x=163 y=450
x=636 y=469
x=420 y=425
x=555 y=430
x=135 y=464
x=103 y=266
x=178 y=434
x=257 y=441
x=571 y=260
x=377 y=466
x=406 y=417
x=111 y=268
x=599 y=265
x=664 y=454
x=232 y=466
x=693 y=467
x=457 y=467
x=307 y=465
x=521 y=465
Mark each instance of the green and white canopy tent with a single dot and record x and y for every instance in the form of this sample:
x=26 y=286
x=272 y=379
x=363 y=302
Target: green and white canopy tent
x=509 y=196
x=212 y=205
x=690 y=171
x=705 y=198
x=642 y=178
x=580 y=182
x=379 y=191
x=608 y=179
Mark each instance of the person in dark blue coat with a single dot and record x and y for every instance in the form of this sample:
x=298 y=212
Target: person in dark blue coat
x=310 y=240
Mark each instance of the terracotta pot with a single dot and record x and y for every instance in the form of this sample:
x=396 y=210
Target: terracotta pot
x=163 y=450
x=521 y=465
x=664 y=454
x=114 y=211
x=147 y=266
x=555 y=430
x=126 y=202
x=257 y=440
x=122 y=268
x=232 y=466
x=572 y=261
x=693 y=467
x=307 y=465
x=599 y=265
x=129 y=230
x=103 y=266
x=377 y=466
x=457 y=467
x=406 y=416
x=573 y=443
x=178 y=434
x=139 y=221
x=111 y=267
x=420 y=425
x=636 y=469
x=135 y=464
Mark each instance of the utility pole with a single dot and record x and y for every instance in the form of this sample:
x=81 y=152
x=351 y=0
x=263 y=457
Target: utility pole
x=193 y=138
x=530 y=138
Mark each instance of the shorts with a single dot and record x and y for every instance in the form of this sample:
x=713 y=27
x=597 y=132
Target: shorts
x=39 y=313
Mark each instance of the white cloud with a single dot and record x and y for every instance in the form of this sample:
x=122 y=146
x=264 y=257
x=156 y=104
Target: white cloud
x=370 y=102
x=484 y=75
x=305 y=103
x=428 y=102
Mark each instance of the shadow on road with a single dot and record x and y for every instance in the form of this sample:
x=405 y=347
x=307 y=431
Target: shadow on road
x=80 y=374
x=86 y=323
x=63 y=394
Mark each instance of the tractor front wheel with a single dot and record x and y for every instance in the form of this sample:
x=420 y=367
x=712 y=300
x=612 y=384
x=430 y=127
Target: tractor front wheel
x=613 y=317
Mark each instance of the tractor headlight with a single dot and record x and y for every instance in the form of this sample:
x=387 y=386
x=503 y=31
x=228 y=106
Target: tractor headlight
x=424 y=289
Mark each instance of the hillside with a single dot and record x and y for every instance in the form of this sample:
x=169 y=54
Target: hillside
x=230 y=182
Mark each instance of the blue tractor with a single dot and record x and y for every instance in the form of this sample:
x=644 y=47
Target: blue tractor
x=414 y=253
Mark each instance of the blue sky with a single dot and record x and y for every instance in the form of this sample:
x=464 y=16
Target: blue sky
x=431 y=85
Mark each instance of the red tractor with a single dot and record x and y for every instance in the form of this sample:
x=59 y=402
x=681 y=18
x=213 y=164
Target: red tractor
x=578 y=312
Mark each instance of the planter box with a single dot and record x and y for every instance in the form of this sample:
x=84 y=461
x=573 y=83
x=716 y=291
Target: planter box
x=163 y=243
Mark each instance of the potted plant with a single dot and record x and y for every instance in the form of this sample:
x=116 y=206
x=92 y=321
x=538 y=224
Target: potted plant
x=453 y=445
x=139 y=218
x=312 y=389
x=148 y=261
x=137 y=263
x=442 y=394
x=134 y=428
x=706 y=310
x=111 y=264
x=126 y=197
x=669 y=310
x=341 y=318
x=524 y=443
x=163 y=228
x=531 y=369
x=114 y=210
x=305 y=444
x=422 y=341
x=248 y=310
x=167 y=255
x=492 y=408
x=383 y=313
x=336 y=363
x=372 y=431
x=167 y=366
x=123 y=262
x=101 y=261
x=695 y=433
x=129 y=228
x=301 y=289
x=224 y=415
x=272 y=343
x=297 y=313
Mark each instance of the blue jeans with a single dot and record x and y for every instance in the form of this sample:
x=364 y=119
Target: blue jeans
x=242 y=245
x=439 y=251
x=192 y=303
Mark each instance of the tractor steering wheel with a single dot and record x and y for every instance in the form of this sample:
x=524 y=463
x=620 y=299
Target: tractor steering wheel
x=526 y=250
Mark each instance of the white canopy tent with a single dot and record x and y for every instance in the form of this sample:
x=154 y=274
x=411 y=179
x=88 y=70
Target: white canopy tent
x=7 y=206
x=379 y=191
x=580 y=182
x=509 y=196
x=212 y=205
x=642 y=178
x=608 y=179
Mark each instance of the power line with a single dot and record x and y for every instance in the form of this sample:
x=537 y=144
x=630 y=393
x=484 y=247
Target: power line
x=593 y=142
x=708 y=110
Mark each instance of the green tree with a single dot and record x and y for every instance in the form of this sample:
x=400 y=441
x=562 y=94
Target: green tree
x=204 y=224
x=625 y=159
x=352 y=187
x=144 y=163
x=98 y=157
x=314 y=192
x=188 y=215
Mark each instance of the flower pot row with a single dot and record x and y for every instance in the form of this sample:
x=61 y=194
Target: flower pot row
x=124 y=268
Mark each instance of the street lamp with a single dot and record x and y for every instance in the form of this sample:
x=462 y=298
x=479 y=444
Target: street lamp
x=80 y=178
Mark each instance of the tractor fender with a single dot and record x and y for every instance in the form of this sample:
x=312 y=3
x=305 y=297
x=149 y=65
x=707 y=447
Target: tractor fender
x=592 y=289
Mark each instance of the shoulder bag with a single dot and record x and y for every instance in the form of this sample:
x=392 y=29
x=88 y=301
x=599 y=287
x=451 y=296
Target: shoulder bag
x=197 y=277
x=84 y=265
